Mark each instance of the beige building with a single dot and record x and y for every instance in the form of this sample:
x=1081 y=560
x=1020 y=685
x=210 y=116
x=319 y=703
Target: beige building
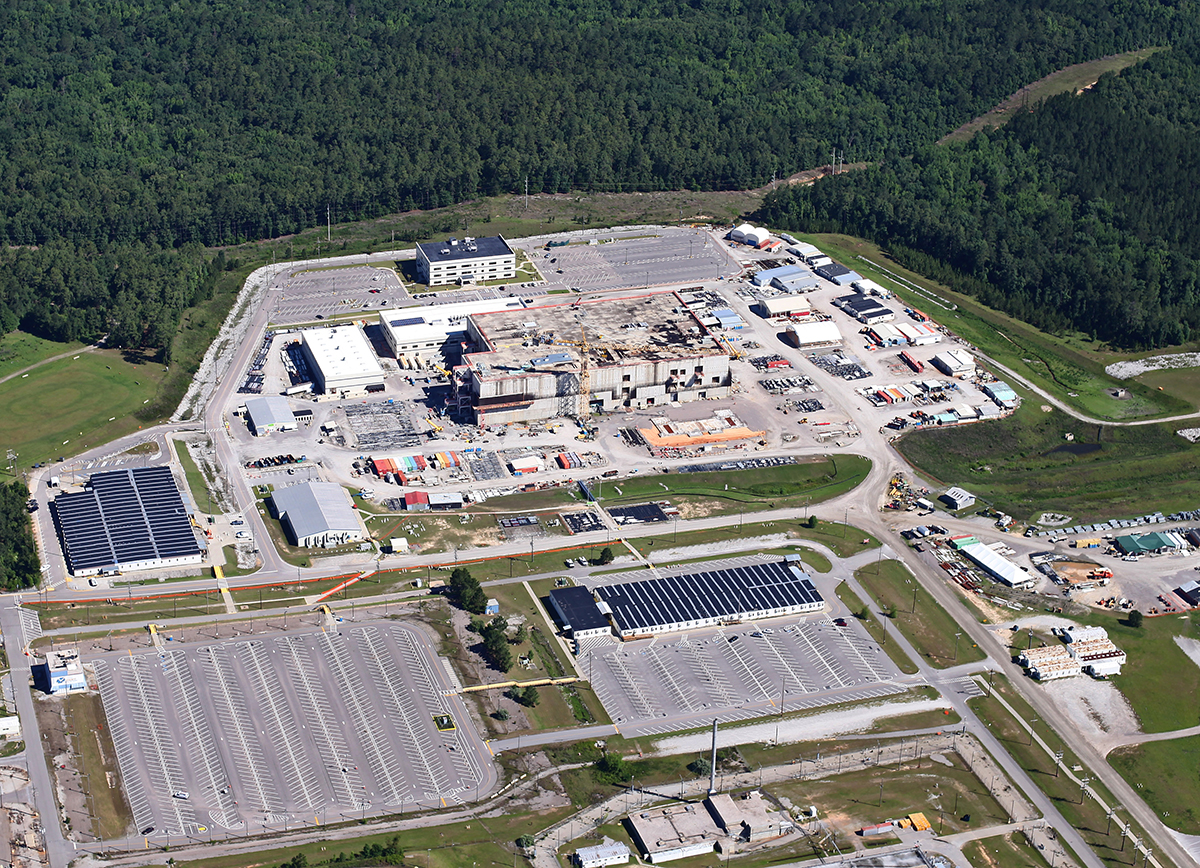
x=642 y=351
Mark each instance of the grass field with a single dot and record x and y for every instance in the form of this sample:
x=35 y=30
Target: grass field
x=917 y=615
x=730 y=491
x=1084 y=814
x=1164 y=774
x=73 y=404
x=1012 y=464
x=876 y=629
x=20 y=350
x=1070 y=366
x=1004 y=851
x=111 y=815
x=1069 y=80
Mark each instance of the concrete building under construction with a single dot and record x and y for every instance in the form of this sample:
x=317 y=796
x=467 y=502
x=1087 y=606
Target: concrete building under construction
x=574 y=359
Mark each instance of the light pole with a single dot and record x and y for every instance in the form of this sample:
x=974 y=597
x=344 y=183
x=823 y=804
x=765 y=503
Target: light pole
x=956 y=637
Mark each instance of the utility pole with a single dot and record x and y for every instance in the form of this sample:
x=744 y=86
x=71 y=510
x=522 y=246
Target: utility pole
x=328 y=226
x=526 y=192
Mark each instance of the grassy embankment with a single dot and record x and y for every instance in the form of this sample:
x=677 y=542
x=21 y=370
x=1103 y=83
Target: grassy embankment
x=916 y=614
x=1083 y=813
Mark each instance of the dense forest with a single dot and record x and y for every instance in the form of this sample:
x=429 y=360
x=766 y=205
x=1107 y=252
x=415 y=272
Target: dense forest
x=19 y=563
x=132 y=134
x=1080 y=214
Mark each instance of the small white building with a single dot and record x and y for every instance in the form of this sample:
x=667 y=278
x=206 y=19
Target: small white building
x=813 y=334
x=955 y=363
x=10 y=727
x=957 y=498
x=270 y=413
x=608 y=852
x=61 y=672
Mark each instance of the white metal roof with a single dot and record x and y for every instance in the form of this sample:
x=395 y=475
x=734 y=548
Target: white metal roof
x=342 y=351
x=314 y=508
x=817 y=332
x=268 y=410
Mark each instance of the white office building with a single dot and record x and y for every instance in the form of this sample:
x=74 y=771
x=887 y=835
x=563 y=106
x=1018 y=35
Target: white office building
x=434 y=332
x=469 y=260
x=341 y=360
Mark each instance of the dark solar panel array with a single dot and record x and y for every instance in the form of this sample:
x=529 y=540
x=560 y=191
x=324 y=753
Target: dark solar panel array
x=700 y=596
x=123 y=517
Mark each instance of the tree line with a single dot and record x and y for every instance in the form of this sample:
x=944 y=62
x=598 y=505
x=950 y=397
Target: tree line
x=1078 y=215
x=20 y=566
x=133 y=135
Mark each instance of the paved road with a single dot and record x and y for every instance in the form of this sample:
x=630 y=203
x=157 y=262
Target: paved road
x=59 y=851
x=66 y=355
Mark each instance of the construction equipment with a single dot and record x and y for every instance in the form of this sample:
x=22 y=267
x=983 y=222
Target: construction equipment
x=615 y=351
x=729 y=348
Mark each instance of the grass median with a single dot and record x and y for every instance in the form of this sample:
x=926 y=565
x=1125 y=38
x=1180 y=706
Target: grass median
x=877 y=630
x=916 y=614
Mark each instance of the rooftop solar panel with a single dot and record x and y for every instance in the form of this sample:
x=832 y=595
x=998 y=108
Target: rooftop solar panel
x=676 y=602
x=124 y=517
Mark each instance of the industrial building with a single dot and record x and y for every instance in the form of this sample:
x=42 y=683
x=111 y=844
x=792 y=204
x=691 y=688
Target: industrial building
x=270 y=413
x=61 y=672
x=125 y=520
x=784 y=305
x=802 y=282
x=674 y=832
x=997 y=566
x=747 y=817
x=813 y=334
x=955 y=363
x=341 y=361
x=317 y=514
x=919 y=334
x=764 y=277
x=435 y=332
x=870 y=287
x=837 y=273
x=470 y=260
x=607 y=852
x=1002 y=394
x=571 y=359
x=576 y=611
x=804 y=251
x=672 y=603
x=957 y=498
x=864 y=309
x=1150 y=543
x=747 y=234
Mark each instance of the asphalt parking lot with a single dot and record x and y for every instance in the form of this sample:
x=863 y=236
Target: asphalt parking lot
x=317 y=294
x=243 y=736
x=671 y=257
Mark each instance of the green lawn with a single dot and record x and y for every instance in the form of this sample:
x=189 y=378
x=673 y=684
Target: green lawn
x=875 y=628
x=1004 y=851
x=1164 y=774
x=917 y=614
x=73 y=404
x=844 y=540
x=20 y=350
x=1012 y=464
x=730 y=491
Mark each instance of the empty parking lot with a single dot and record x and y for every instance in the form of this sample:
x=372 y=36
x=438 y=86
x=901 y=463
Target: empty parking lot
x=733 y=673
x=247 y=735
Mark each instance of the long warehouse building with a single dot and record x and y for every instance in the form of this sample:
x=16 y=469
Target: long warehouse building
x=673 y=603
x=126 y=520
